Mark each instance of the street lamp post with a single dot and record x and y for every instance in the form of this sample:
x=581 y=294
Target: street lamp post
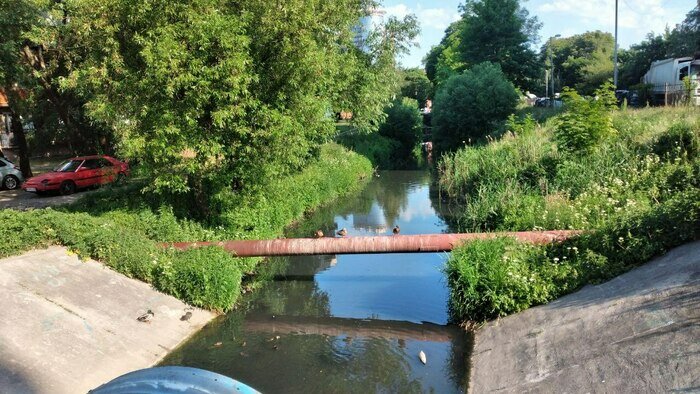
x=551 y=63
x=615 y=50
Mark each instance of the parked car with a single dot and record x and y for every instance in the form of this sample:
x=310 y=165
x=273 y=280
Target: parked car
x=10 y=176
x=79 y=173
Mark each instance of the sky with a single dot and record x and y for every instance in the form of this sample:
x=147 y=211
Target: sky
x=566 y=17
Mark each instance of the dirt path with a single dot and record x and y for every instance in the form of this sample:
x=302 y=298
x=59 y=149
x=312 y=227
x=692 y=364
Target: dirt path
x=21 y=200
x=639 y=332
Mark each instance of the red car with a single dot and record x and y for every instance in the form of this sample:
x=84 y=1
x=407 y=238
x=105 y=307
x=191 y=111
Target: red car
x=78 y=173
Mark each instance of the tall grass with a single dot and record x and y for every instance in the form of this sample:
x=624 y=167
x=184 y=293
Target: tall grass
x=647 y=168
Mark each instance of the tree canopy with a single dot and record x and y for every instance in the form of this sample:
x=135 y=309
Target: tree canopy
x=582 y=61
x=681 y=41
x=468 y=106
x=501 y=32
x=211 y=96
x=416 y=85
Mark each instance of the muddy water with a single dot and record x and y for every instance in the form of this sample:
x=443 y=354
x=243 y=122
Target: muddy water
x=350 y=323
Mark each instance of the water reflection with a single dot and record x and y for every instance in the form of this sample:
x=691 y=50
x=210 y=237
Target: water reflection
x=350 y=323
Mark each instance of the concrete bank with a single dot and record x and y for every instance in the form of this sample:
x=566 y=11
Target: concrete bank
x=637 y=333
x=68 y=326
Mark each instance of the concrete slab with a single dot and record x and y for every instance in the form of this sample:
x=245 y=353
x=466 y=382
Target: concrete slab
x=637 y=333
x=68 y=326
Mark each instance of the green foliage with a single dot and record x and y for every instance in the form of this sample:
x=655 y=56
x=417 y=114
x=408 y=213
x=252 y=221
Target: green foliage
x=489 y=279
x=123 y=229
x=404 y=124
x=500 y=32
x=468 y=106
x=636 y=194
x=416 y=85
x=375 y=147
x=521 y=125
x=371 y=74
x=444 y=60
x=683 y=40
x=204 y=277
x=682 y=141
x=586 y=122
x=582 y=61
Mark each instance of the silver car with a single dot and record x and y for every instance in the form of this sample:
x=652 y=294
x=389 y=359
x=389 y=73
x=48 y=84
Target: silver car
x=10 y=176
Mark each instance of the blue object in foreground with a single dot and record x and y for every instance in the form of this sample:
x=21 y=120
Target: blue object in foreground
x=166 y=380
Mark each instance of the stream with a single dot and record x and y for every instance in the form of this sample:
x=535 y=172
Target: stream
x=346 y=323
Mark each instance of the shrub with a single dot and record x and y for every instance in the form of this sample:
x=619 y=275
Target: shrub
x=204 y=277
x=404 y=124
x=377 y=148
x=469 y=106
x=493 y=278
x=586 y=122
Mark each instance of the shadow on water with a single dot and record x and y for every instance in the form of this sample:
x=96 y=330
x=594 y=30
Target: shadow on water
x=350 y=323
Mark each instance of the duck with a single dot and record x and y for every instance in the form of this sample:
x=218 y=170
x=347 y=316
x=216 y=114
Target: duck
x=396 y=230
x=342 y=232
x=318 y=234
x=146 y=317
x=186 y=316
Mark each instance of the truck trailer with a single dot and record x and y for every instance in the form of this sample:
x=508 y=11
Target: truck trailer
x=666 y=80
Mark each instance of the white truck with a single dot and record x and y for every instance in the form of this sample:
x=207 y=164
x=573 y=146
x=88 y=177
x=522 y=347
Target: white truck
x=666 y=80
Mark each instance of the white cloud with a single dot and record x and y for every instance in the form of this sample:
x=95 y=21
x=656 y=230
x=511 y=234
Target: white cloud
x=429 y=18
x=636 y=15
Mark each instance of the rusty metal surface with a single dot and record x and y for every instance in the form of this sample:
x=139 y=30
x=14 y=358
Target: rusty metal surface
x=425 y=243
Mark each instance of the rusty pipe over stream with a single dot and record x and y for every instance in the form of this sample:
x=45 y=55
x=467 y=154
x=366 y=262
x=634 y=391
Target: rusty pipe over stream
x=424 y=243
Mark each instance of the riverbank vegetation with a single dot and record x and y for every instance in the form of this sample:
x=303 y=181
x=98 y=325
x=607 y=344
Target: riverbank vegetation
x=224 y=110
x=123 y=229
x=633 y=186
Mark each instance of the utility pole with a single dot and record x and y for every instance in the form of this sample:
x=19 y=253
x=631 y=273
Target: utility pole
x=551 y=63
x=615 y=50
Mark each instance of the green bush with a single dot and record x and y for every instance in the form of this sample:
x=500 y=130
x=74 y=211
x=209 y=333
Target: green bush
x=377 y=148
x=404 y=124
x=586 y=122
x=470 y=106
x=493 y=278
x=205 y=277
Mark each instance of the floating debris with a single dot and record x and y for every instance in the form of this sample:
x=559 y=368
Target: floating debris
x=422 y=357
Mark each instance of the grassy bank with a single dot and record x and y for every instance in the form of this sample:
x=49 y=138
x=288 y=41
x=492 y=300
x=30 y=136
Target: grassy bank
x=122 y=229
x=637 y=193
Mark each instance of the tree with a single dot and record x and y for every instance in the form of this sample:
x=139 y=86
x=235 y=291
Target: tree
x=583 y=61
x=404 y=124
x=15 y=79
x=684 y=39
x=681 y=41
x=372 y=72
x=416 y=85
x=501 y=32
x=468 y=106
x=635 y=62
x=445 y=60
x=216 y=97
